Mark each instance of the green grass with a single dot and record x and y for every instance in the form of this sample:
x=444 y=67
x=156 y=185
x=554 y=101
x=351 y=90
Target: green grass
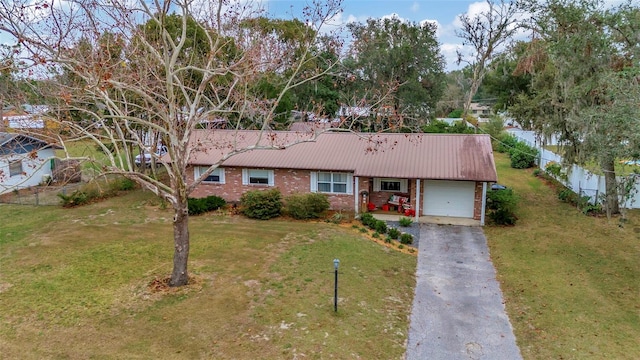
x=96 y=158
x=74 y=284
x=571 y=282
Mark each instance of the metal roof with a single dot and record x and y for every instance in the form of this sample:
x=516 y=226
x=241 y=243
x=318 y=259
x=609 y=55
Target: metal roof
x=6 y=140
x=412 y=156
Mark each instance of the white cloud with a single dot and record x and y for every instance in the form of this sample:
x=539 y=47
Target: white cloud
x=415 y=7
x=394 y=16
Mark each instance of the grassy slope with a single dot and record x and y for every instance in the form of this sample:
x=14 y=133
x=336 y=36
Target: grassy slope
x=571 y=282
x=73 y=284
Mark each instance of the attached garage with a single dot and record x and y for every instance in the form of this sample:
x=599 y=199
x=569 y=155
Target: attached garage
x=449 y=198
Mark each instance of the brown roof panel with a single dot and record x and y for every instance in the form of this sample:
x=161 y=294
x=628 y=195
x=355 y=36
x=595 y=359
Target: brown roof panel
x=414 y=156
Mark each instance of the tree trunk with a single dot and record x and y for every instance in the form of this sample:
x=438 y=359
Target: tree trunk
x=180 y=276
x=611 y=186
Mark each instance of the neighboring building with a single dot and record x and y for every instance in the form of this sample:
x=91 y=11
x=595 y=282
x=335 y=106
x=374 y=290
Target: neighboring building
x=480 y=111
x=32 y=117
x=24 y=161
x=440 y=174
x=312 y=126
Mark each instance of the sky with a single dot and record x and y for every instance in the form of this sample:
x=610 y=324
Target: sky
x=444 y=13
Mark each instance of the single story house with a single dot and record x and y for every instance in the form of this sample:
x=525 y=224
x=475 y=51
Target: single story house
x=24 y=161
x=442 y=175
x=480 y=111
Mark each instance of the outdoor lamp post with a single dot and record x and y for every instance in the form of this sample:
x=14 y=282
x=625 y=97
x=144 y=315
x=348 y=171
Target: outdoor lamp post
x=336 y=263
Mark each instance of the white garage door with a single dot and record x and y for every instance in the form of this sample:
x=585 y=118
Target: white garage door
x=449 y=198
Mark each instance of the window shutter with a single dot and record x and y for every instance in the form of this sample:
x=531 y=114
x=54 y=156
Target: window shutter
x=314 y=181
x=196 y=172
x=349 y=184
x=271 y=178
x=221 y=174
x=245 y=177
x=404 y=188
x=376 y=184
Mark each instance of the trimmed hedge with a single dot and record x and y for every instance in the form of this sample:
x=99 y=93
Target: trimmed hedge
x=261 y=204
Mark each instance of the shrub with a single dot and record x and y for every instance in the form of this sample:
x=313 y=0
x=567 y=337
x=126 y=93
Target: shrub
x=338 y=218
x=376 y=235
x=406 y=239
x=95 y=191
x=263 y=205
x=461 y=127
x=537 y=172
x=199 y=206
x=381 y=226
x=555 y=169
x=457 y=113
x=369 y=221
x=122 y=184
x=405 y=221
x=501 y=206
x=400 y=246
x=394 y=233
x=79 y=197
x=502 y=217
x=523 y=156
x=584 y=204
x=306 y=206
x=505 y=143
x=436 y=127
x=567 y=195
x=366 y=218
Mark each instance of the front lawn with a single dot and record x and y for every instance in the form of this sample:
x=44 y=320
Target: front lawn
x=571 y=282
x=75 y=283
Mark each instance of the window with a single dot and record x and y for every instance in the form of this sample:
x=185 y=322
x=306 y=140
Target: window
x=15 y=168
x=217 y=176
x=330 y=182
x=257 y=177
x=390 y=185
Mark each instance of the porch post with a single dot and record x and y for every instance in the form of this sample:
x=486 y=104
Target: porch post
x=484 y=202
x=417 y=215
x=356 y=194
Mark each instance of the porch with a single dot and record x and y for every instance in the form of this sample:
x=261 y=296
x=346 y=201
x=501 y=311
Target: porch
x=442 y=220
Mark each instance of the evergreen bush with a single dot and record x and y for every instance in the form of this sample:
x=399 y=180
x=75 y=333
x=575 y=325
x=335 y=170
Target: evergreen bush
x=381 y=227
x=199 y=206
x=261 y=204
x=406 y=239
x=394 y=233
x=501 y=206
x=306 y=206
x=523 y=156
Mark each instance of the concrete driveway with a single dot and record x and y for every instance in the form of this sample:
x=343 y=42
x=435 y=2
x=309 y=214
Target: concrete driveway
x=458 y=310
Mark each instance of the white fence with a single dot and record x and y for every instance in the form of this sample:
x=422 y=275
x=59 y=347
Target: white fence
x=580 y=180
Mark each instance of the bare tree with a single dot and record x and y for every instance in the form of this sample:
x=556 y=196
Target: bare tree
x=486 y=33
x=131 y=75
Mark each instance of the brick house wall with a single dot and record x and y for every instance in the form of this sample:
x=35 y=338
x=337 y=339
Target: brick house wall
x=298 y=181
x=477 y=202
x=287 y=181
